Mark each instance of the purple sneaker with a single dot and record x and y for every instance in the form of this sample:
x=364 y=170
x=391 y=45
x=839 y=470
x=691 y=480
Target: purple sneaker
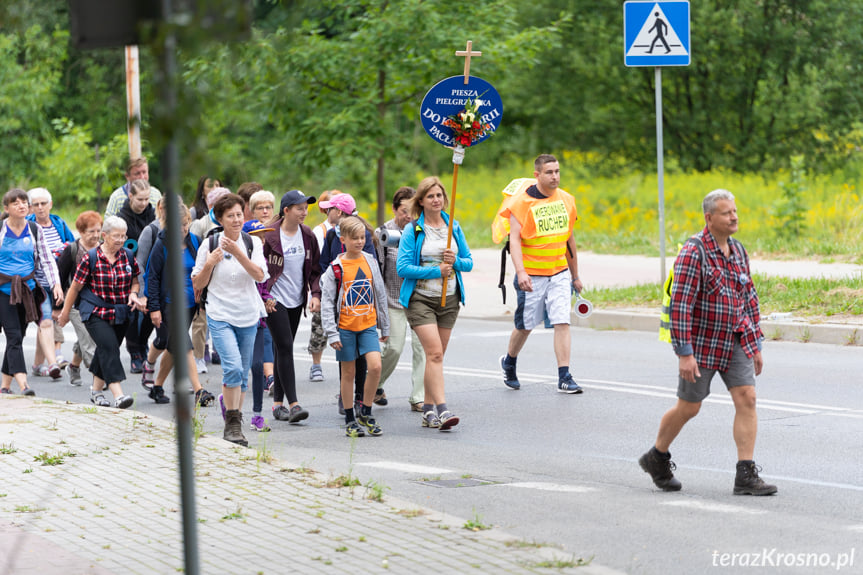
x=222 y=405
x=258 y=424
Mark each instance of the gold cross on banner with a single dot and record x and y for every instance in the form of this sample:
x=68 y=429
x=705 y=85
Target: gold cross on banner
x=466 y=54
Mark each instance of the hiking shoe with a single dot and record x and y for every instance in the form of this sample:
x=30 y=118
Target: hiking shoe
x=125 y=401
x=430 y=419
x=258 y=424
x=55 y=371
x=297 y=414
x=201 y=365
x=509 y=377
x=282 y=413
x=157 y=394
x=370 y=425
x=316 y=373
x=147 y=373
x=381 y=397
x=747 y=482
x=222 y=405
x=98 y=398
x=39 y=370
x=353 y=429
x=660 y=470
x=568 y=385
x=448 y=420
x=204 y=398
x=137 y=365
x=234 y=428
x=74 y=375
x=28 y=391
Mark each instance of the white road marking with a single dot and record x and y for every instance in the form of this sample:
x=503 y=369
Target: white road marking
x=714 y=507
x=539 y=486
x=406 y=467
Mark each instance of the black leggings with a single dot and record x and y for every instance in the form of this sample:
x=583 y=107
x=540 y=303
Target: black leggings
x=283 y=324
x=13 y=322
x=106 y=363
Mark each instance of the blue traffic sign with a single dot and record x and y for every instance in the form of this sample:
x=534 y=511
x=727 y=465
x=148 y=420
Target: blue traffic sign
x=448 y=97
x=656 y=33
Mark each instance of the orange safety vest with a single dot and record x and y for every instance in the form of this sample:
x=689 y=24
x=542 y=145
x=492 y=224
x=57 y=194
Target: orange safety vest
x=546 y=227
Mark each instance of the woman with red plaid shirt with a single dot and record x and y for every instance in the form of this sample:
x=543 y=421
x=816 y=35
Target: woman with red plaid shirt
x=108 y=290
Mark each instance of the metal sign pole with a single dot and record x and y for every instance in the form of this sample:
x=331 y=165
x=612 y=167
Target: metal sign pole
x=660 y=178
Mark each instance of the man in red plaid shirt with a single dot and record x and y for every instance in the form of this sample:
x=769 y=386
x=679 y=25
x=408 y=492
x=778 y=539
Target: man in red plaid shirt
x=714 y=328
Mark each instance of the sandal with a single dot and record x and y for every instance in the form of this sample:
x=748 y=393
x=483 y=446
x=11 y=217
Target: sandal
x=147 y=371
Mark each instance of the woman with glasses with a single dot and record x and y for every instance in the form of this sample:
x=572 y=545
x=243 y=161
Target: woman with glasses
x=106 y=280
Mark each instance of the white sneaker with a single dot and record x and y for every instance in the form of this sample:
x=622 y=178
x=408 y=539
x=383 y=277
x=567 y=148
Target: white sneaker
x=201 y=365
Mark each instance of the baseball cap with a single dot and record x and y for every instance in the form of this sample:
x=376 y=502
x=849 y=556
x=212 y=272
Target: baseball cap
x=255 y=227
x=293 y=198
x=342 y=201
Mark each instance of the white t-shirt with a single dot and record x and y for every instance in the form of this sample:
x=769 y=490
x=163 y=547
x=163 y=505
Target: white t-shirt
x=232 y=296
x=320 y=232
x=288 y=289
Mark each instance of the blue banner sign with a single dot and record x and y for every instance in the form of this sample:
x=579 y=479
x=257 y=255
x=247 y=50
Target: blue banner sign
x=449 y=96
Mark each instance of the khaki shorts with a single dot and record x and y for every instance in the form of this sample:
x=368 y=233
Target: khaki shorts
x=424 y=310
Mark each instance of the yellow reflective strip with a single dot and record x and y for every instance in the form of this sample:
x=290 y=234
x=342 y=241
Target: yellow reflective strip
x=545 y=240
x=556 y=252
x=545 y=265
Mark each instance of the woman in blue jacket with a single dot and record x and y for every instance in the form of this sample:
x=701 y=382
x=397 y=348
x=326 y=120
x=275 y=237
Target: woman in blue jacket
x=424 y=261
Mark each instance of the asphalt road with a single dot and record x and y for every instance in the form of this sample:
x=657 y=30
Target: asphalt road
x=561 y=469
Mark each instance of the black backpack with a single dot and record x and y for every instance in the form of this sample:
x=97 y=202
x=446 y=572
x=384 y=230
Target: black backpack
x=213 y=244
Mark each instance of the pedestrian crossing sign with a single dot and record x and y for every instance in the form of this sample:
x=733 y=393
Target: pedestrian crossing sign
x=656 y=33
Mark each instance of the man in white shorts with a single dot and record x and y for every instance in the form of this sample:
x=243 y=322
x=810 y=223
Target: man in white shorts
x=546 y=264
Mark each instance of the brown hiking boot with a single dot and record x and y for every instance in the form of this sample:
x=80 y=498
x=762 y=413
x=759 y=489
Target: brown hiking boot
x=747 y=481
x=660 y=469
x=234 y=428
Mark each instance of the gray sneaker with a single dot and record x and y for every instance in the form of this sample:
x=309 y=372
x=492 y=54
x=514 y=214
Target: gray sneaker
x=74 y=375
x=430 y=419
x=281 y=413
x=297 y=414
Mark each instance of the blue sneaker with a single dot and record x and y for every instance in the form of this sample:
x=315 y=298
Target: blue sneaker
x=568 y=385
x=509 y=377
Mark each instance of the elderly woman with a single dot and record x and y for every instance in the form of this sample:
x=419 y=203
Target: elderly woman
x=106 y=280
x=49 y=338
x=22 y=251
x=89 y=226
x=165 y=308
x=228 y=265
x=424 y=261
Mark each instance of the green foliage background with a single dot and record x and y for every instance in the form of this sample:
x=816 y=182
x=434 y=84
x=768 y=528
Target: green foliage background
x=325 y=94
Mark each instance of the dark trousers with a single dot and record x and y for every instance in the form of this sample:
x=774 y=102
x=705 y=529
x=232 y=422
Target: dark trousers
x=106 y=363
x=15 y=327
x=283 y=324
x=170 y=314
x=138 y=334
x=258 y=371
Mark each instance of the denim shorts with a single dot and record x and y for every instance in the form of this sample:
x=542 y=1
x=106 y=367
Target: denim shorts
x=357 y=343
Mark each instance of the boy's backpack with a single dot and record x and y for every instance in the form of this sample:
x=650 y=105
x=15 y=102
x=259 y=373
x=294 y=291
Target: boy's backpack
x=193 y=240
x=665 y=316
x=213 y=244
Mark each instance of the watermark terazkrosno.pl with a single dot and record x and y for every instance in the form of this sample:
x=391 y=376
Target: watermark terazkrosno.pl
x=773 y=557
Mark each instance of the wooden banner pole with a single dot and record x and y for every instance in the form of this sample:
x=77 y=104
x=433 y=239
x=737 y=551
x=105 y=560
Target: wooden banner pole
x=449 y=228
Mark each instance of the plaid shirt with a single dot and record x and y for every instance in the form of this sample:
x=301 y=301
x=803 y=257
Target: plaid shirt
x=388 y=257
x=111 y=282
x=710 y=305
